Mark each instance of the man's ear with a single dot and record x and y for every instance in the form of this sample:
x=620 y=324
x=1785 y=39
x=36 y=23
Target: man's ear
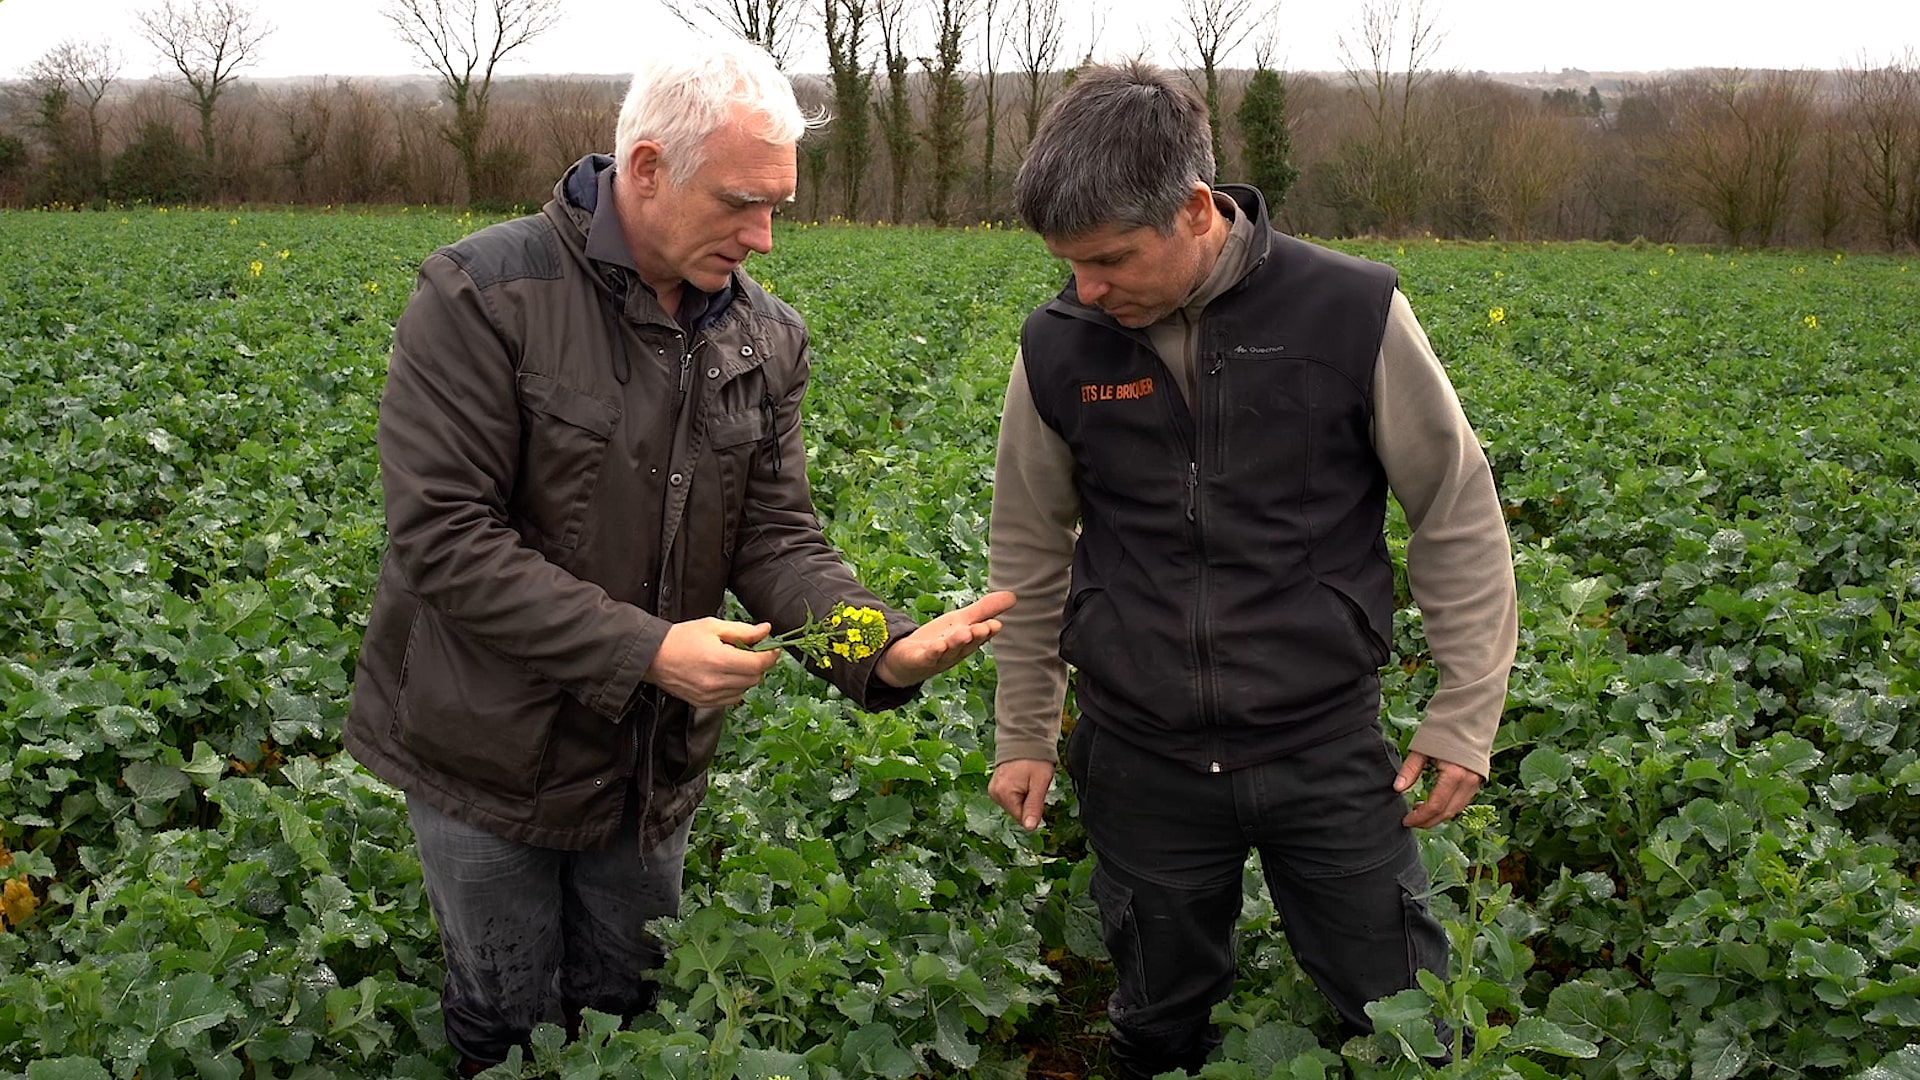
x=1197 y=212
x=643 y=168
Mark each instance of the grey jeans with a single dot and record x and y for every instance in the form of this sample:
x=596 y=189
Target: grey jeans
x=535 y=934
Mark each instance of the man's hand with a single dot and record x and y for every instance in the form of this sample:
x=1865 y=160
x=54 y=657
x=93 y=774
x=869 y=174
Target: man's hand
x=699 y=663
x=1020 y=787
x=1452 y=791
x=942 y=643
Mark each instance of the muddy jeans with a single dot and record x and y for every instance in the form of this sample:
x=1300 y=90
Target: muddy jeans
x=535 y=934
x=1171 y=844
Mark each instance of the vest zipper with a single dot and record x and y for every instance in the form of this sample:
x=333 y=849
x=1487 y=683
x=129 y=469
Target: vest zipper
x=1202 y=620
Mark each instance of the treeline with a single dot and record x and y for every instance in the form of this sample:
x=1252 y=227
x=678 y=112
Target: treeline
x=1829 y=159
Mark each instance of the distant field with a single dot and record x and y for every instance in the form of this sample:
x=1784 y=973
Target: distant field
x=1705 y=819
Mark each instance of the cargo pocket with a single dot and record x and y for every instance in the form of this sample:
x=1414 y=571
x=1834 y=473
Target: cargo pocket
x=1120 y=932
x=564 y=437
x=466 y=711
x=1426 y=938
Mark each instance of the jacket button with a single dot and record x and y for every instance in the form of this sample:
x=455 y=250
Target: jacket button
x=713 y=373
x=746 y=350
x=674 y=479
x=598 y=782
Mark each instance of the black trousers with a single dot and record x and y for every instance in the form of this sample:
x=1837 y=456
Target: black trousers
x=1171 y=845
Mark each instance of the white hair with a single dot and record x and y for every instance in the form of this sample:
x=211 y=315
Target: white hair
x=686 y=88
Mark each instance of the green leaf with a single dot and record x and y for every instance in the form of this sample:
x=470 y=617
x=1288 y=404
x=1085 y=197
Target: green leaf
x=758 y=1064
x=1902 y=1064
x=1720 y=1051
x=153 y=782
x=1539 y=1033
x=875 y=1050
x=67 y=1068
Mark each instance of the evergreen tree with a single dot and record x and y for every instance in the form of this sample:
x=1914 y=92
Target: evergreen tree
x=1266 y=146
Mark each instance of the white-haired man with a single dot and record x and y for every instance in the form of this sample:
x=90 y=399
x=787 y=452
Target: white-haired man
x=590 y=432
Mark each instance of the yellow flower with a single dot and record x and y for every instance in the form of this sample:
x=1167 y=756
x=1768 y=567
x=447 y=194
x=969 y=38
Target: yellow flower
x=284 y=253
x=373 y=286
x=1496 y=316
x=256 y=266
x=850 y=633
x=1653 y=271
x=1811 y=321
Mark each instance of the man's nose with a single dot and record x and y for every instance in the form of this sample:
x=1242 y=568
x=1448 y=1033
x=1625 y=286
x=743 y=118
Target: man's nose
x=758 y=235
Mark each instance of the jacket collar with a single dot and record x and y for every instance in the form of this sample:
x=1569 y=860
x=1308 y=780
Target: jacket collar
x=587 y=189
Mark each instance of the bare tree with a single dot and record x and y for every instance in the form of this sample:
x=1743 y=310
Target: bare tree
x=852 y=76
x=463 y=42
x=990 y=46
x=895 y=109
x=1383 y=167
x=1037 y=44
x=207 y=42
x=574 y=117
x=774 y=25
x=1212 y=30
x=1735 y=146
x=75 y=73
x=1883 y=120
x=306 y=114
x=1536 y=154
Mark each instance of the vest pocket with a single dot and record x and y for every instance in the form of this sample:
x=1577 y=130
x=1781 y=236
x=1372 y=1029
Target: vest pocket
x=1358 y=627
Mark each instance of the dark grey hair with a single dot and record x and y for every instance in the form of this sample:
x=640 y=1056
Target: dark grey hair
x=1122 y=146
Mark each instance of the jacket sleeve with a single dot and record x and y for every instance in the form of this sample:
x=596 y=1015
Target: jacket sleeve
x=785 y=571
x=1459 y=559
x=449 y=438
x=1035 y=524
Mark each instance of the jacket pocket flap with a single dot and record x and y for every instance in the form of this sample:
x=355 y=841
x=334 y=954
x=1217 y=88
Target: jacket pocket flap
x=551 y=397
x=732 y=429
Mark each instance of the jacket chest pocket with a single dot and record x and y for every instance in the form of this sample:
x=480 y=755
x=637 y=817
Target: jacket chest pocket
x=564 y=435
x=733 y=441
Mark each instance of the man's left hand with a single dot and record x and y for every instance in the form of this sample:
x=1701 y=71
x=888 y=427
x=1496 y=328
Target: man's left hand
x=1453 y=789
x=942 y=643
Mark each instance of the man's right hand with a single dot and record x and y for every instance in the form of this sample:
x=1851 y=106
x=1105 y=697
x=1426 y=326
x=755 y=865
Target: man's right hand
x=1020 y=787
x=699 y=663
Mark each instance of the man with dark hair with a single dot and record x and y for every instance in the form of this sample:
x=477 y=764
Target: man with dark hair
x=590 y=434
x=1200 y=434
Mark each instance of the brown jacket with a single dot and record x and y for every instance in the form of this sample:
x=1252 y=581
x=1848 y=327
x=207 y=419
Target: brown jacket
x=568 y=472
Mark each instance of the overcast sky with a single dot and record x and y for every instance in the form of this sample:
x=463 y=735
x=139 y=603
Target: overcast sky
x=349 y=37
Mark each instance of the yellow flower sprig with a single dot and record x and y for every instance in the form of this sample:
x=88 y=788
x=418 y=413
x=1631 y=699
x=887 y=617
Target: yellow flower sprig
x=850 y=634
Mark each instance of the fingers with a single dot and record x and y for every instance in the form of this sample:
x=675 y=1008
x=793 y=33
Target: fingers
x=1031 y=810
x=1410 y=772
x=1454 y=788
x=735 y=633
x=1020 y=787
x=700 y=662
x=990 y=606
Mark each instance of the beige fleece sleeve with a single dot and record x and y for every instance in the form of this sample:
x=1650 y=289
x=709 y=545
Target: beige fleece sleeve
x=1459 y=560
x=1036 y=519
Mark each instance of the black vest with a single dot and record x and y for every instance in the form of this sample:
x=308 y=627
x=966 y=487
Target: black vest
x=1232 y=593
